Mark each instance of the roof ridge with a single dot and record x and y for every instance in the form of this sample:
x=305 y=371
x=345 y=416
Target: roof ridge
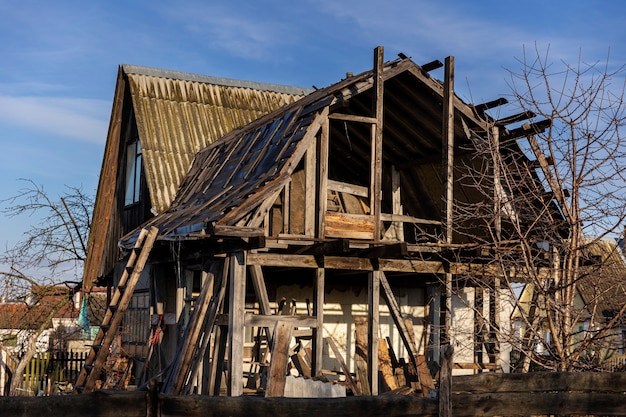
x=228 y=82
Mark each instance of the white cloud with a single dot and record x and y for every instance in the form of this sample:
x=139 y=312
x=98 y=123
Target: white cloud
x=76 y=118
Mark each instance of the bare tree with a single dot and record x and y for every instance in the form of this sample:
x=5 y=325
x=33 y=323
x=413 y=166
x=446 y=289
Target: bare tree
x=49 y=257
x=552 y=186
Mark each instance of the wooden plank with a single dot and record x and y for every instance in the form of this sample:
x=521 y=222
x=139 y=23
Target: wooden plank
x=236 y=231
x=353 y=118
x=310 y=167
x=535 y=382
x=396 y=315
x=385 y=365
x=191 y=349
x=322 y=177
x=260 y=290
x=425 y=378
x=236 y=308
x=445 y=383
x=373 y=309
x=277 y=373
x=352 y=226
x=318 y=312
x=259 y=320
x=390 y=217
x=361 y=354
x=344 y=368
x=396 y=203
x=344 y=187
x=376 y=194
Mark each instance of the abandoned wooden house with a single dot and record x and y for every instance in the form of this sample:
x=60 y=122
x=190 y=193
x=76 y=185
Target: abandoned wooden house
x=308 y=237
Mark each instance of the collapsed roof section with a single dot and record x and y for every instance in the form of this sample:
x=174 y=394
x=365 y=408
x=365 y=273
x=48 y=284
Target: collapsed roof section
x=237 y=181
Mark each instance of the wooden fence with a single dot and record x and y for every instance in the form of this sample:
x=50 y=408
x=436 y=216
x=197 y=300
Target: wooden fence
x=49 y=373
x=487 y=394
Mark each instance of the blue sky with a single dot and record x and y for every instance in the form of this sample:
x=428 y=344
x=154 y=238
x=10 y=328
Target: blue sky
x=59 y=59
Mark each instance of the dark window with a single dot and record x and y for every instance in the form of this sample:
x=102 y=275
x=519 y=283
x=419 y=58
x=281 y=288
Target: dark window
x=133 y=173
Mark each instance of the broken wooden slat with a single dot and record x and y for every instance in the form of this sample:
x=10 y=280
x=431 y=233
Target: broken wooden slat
x=425 y=378
x=344 y=367
x=385 y=364
x=280 y=356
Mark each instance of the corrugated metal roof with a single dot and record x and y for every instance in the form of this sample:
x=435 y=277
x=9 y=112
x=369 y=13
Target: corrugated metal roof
x=178 y=114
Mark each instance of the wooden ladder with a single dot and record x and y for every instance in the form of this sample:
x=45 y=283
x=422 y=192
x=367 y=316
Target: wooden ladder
x=94 y=363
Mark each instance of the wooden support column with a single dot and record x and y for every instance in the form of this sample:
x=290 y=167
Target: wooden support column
x=322 y=177
x=494 y=307
x=236 y=309
x=448 y=177
x=434 y=320
x=373 y=308
x=377 y=141
x=318 y=331
x=309 y=189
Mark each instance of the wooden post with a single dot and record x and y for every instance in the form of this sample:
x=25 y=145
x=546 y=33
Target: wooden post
x=494 y=320
x=277 y=373
x=377 y=141
x=322 y=177
x=445 y=383
x=318 y=312
x=373 y=298
x=448 y=175
x=236 y=307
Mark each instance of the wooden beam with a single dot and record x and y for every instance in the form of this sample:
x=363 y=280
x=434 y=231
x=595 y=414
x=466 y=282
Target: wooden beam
x=258 y=282
x=342 y=365
x=318 y=331
x=377 y=141
x=516 y=118
x=396 y=315
x=344 y=187
x=353 y=118
x=262 y=320
x=235 y=231
x=481 y=108
x=310 y=166
x=525 y=130
x=373 y=309
x=432 y=65
x=322 y=178
x=277 y=373
x=392 y=250
x=332 y=247
x=236 y=308
x=448 y=174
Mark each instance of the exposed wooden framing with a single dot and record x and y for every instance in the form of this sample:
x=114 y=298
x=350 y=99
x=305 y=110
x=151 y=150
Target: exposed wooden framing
x=396 y=204
x=217 y=360
x=373 y=309
x=258 y=282
x=494 y=310
x=318 y=312
x=343 y=187
x=309 y=189
x=277 y=373
x=396 y=315
x=433 y=293
x=392 y=250
x=286 y=211
x=200 y=323
x=236 y=304
x=448 y=175
x=353 y=118
x=343 y=366
x=377 y=141
x=389 y=217
x=260 y=320
x=333 y=246
x=322 y=177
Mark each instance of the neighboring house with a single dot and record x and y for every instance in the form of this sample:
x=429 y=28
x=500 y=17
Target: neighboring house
x=299 y=221
x=20 y=320
x=599 y=306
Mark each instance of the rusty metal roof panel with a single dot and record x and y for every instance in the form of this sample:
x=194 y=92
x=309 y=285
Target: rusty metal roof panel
x=178 y=114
